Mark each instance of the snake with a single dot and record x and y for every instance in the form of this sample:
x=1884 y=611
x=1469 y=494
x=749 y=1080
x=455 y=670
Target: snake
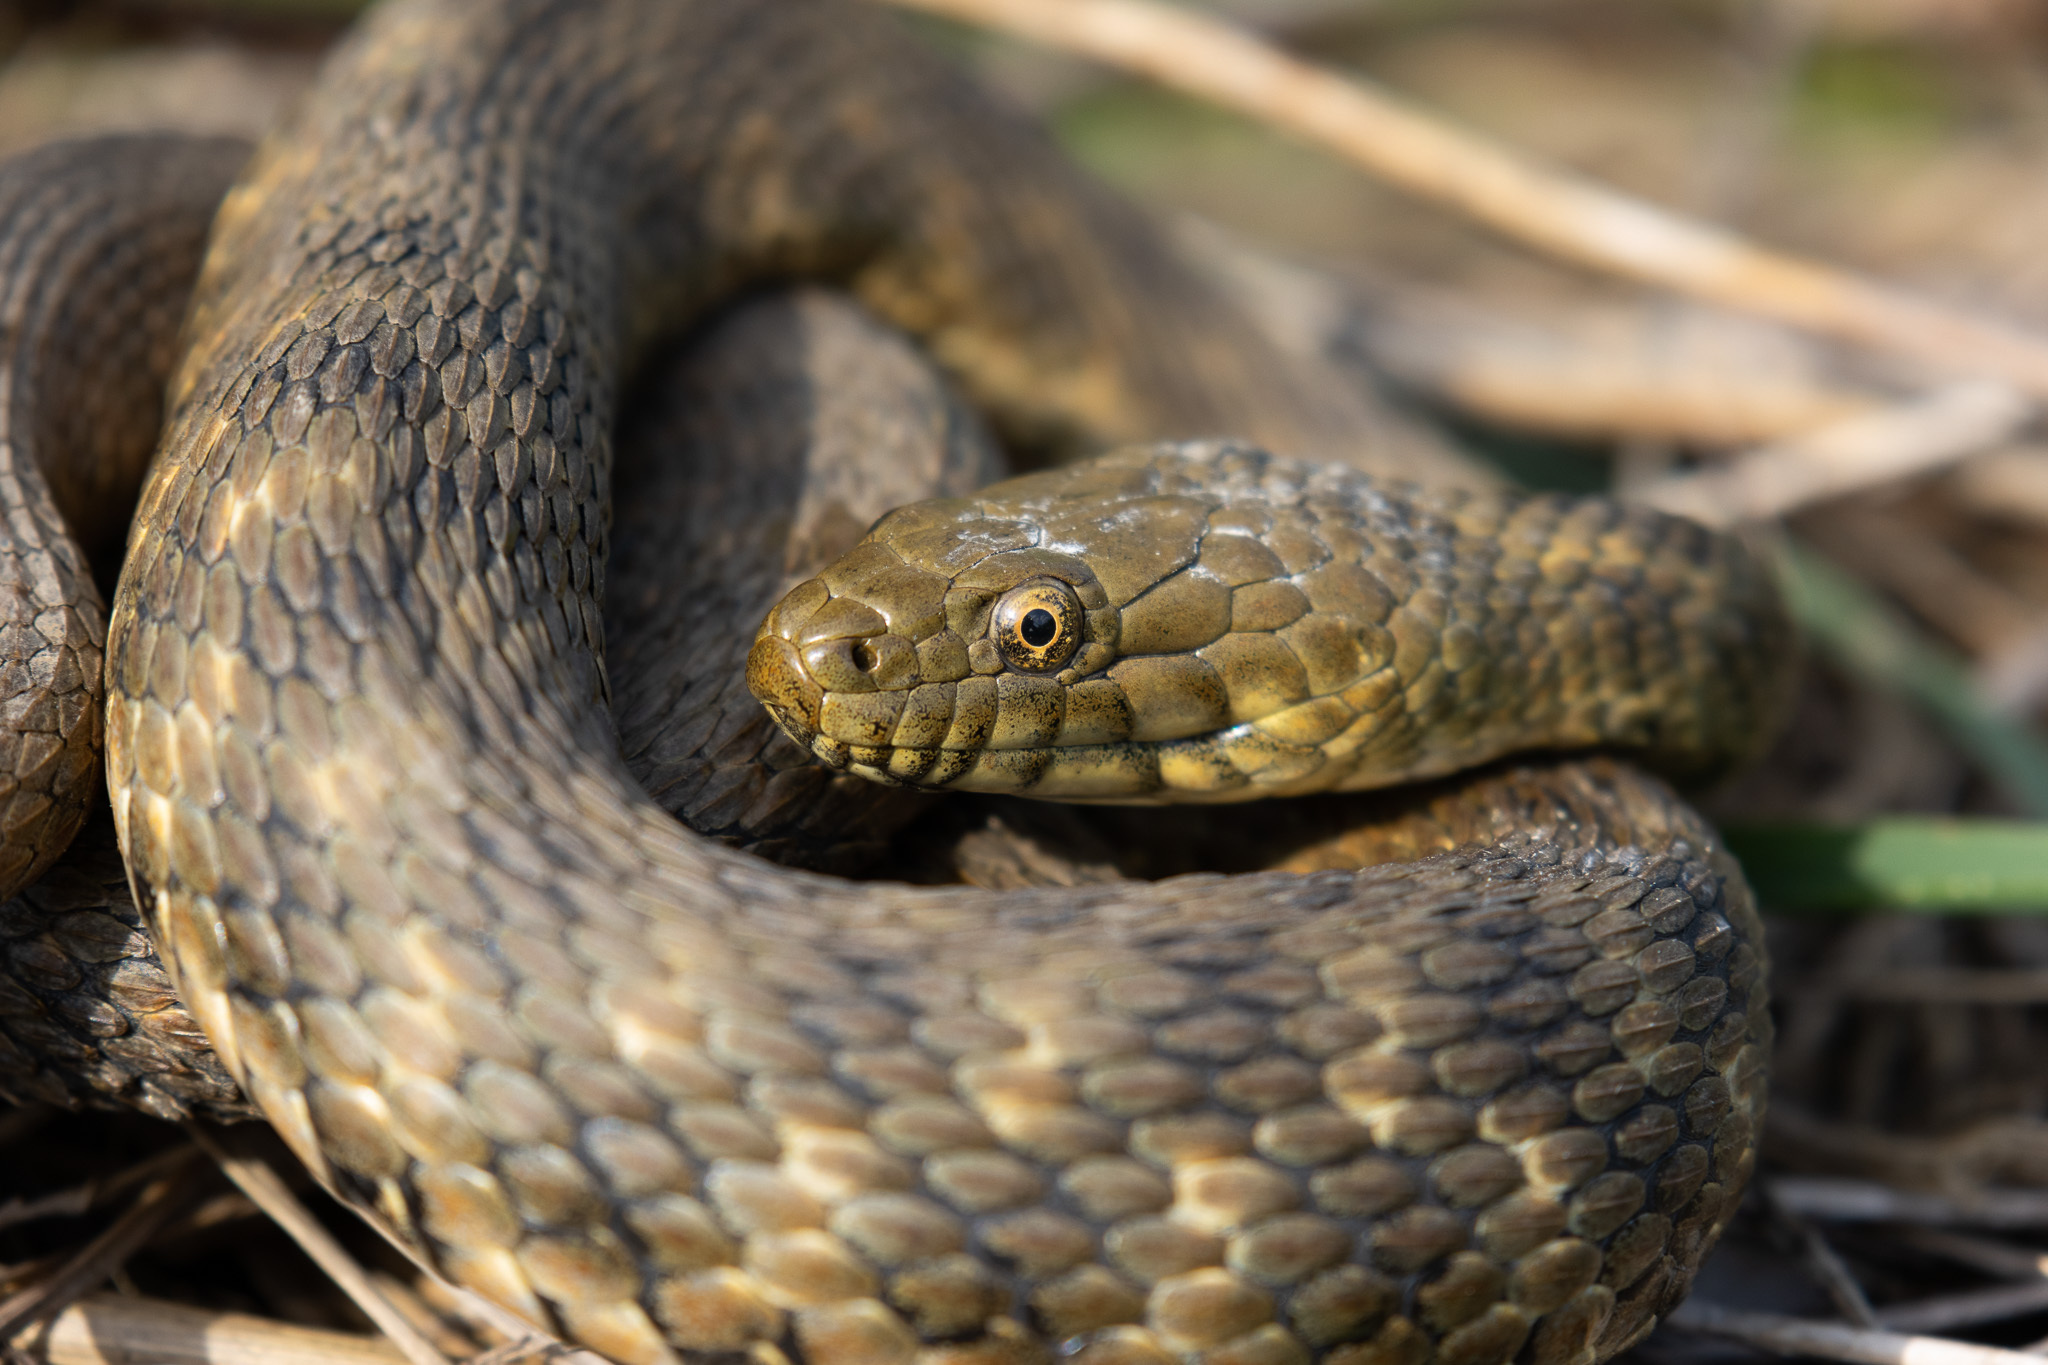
x=101 y=241
x=1477 y=1080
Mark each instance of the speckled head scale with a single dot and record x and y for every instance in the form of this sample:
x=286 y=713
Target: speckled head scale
x=1230 y=624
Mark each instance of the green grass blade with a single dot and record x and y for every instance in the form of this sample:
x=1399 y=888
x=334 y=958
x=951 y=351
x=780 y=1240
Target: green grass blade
x=1925 y=863
x=1866 y=636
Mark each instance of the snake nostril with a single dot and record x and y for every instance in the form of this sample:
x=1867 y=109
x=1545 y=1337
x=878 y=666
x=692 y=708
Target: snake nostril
x=865 y=657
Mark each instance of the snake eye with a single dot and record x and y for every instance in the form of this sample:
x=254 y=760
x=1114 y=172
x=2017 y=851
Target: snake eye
x=1037 y=625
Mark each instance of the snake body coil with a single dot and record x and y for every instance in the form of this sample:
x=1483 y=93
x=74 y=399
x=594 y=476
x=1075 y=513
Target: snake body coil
x=97 y=253
x=99 y=243
x=665 y=1097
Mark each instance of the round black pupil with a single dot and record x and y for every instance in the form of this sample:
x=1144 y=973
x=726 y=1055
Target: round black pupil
x=1038 y=627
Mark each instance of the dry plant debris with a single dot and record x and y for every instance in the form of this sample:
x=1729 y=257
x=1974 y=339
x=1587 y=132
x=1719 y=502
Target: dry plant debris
x=1487 y=182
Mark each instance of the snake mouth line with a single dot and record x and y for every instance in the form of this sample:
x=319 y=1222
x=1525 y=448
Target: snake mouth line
x=1003 y=744
x=1123 y=770
x=1216 y=767
x=778 y=678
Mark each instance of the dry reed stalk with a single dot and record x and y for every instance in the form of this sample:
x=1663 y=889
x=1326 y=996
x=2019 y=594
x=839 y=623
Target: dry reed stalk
x=1827 y=1268
x=1553 y=210
x=1968 y=1308
x=1831 y=1341
x=1989 y=1255
x=1848 y=456
x=113 y=1329
x=1701 y=376
x=267 y=1190
x=1955 y=986
x=1862 y=1201
x=93 y=1263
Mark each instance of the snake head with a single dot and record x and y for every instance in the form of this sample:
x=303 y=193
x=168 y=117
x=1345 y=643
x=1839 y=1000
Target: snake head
x=948 y=649
x=983 y=644
x=1205 y=622
x=1069 y=634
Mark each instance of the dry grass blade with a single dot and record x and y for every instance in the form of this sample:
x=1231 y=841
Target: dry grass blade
x=2009 y=486
x=1951 y=1312
x=1848 y=456
x=256 y=1179
x=1598 y=375
x=1988 y=1172
x=1646 y=369
x=111 y=1329
x=521 y=1339
x=60 y=1204
x=80 y=1198
x=2013 y=676
x=1550 y=209
x=534 y=1350
x=517 y=1339
x=2003 y=1259
x=1954 y=986
x=1860 y=1201
x=1866 y=636
x=446 y=1335
x=1830 y=1341
x=1827 y=1267
x=1928 y=574
x=104 y=1254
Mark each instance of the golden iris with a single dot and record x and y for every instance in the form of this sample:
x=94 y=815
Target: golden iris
x=1037 y=626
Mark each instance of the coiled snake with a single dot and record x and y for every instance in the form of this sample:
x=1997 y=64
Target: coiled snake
x=667 y=1097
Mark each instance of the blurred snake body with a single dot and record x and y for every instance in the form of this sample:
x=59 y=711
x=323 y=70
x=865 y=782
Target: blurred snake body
x=672 y=1100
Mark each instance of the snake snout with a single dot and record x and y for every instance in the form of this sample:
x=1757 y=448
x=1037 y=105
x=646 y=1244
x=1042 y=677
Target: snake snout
x=778 y=680
x=833 y=676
